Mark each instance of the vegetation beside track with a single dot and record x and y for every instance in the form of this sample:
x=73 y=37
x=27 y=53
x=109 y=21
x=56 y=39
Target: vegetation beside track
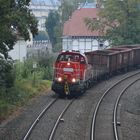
x=18 y=95
x=27 y=82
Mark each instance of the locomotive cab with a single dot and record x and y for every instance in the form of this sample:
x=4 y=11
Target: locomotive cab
x=70 y=73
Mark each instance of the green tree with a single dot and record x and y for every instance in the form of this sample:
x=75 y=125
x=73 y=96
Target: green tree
x=15 y=20
x=42 y=35
x=67 y=7
x=119 y=21
x=53 y=27
x=7 y=75
x=46 y=63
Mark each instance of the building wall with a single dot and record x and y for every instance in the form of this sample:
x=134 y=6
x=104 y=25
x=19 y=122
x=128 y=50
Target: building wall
x=39 y=48
x=19 y=50
x=83 y=44
x=41 y=11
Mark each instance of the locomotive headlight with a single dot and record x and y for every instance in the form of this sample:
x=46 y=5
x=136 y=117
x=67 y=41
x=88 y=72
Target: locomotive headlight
x=59 y=79
x=73 y=80
x=68 y=63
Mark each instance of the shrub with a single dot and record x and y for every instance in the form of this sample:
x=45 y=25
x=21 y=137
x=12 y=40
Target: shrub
x=7 y=75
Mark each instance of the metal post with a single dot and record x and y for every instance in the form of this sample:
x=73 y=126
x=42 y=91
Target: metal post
x=34 y=78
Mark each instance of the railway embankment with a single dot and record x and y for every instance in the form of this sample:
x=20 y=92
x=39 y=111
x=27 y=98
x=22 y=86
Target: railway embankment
x=15 y=97
x=76 y=123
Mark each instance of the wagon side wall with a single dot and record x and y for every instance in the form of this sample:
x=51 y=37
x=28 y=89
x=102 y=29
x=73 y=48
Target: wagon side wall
x=137 y=57
x=124 y=57
x=100 y=64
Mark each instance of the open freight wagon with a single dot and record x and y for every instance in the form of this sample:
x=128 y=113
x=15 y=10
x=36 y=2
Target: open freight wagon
x=125 y=57
x=109 y=61
x=135 y=54
x=104 y=62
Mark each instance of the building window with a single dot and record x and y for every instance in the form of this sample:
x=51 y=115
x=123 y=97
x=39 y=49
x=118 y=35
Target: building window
x=101 y=45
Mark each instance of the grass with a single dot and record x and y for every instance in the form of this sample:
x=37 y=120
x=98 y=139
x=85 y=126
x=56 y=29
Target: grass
x=18 y=95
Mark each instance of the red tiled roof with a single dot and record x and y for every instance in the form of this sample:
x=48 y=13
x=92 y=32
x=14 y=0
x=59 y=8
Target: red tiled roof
x=76 y=25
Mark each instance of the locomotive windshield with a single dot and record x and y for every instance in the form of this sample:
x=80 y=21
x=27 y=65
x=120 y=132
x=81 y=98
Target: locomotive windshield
x=71 y=57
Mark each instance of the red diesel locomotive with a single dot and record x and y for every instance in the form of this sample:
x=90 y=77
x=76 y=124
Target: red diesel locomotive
x=72 y=73
x=75 y=72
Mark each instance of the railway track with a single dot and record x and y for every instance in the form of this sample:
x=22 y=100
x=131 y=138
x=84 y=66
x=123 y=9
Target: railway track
x=116 y=108
x=104 y=121
x=56 y=121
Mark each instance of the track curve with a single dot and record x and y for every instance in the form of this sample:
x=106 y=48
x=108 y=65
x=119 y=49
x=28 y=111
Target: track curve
x=96 y=111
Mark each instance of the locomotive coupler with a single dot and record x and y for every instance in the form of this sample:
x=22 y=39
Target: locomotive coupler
x=66 y=88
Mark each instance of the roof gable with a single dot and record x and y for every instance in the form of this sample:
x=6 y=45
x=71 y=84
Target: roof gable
x=76 y=25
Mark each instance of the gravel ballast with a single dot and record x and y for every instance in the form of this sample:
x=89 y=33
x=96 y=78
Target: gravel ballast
x=130 y=113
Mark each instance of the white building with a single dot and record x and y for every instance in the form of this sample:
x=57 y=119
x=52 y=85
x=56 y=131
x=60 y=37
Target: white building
x=76 y=35
x=19 y=50
x=39 y=48
x=41 y=9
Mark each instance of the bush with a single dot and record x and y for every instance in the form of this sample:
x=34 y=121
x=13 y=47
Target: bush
x=3 y=109
x=19 y=94
x=7 y=75
x=20 y=82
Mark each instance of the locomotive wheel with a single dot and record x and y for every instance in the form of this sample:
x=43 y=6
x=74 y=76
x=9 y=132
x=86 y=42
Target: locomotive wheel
x=87 y=85
x=107 y=76
x=61 y=96
x=83 y=90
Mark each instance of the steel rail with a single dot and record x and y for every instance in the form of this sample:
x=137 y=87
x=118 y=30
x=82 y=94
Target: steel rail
x=58 y=120
x=116 y=107
x=99 y=102
x=37 y=119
